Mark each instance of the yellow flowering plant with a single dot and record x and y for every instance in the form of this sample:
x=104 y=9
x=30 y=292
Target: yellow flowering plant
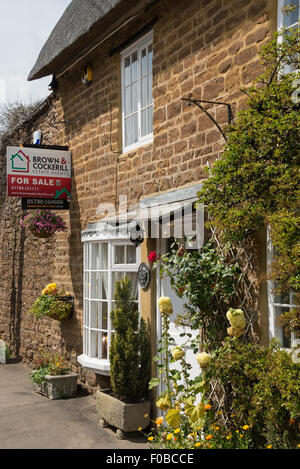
x=53 y=302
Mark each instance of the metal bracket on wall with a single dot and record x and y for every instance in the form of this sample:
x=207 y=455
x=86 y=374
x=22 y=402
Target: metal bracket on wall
x=192 y=100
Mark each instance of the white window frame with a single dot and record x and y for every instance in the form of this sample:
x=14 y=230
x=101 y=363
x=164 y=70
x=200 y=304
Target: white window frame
x=145 y=41
x=275 y=331
x=280 y=16
x=97 y=364
x=280 y=25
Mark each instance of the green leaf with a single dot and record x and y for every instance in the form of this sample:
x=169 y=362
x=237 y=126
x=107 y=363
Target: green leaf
x=173 y=418
x=154 y=382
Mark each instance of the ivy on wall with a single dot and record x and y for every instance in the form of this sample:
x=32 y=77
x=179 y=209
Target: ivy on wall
x=256 y=182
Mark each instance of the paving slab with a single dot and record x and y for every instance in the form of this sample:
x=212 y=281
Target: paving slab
x=31 y=421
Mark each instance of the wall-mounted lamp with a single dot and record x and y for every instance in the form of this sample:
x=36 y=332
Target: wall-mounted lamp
x=87 y=76
x=136 y=233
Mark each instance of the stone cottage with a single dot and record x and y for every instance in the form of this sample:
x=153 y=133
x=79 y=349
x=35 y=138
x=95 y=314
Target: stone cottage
x=125 y=74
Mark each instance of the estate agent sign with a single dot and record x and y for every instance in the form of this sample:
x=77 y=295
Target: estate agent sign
x=38 y=173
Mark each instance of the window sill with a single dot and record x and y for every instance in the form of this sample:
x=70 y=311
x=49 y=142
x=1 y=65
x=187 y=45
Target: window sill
x=101 y=367
x=135 y=146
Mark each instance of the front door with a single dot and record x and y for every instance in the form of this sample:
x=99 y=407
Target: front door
x=164 y=289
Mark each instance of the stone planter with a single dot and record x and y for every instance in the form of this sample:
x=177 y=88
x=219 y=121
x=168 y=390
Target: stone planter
x=125 y=417
x=56 y=387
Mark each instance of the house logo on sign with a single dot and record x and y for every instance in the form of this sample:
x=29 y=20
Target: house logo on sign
x=20 y=162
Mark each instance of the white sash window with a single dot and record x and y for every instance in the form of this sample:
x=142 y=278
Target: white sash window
x=137 y=100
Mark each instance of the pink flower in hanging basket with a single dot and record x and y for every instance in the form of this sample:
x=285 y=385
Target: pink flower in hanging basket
x=43 y=223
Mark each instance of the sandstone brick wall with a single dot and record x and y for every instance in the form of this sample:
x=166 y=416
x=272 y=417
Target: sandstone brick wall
x=205 y=48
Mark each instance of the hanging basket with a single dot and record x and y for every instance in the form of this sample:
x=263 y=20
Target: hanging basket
x=56 y=317
x=41 y=234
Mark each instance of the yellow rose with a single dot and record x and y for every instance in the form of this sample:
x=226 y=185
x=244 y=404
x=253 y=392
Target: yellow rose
x=177 y=353
x=170 y=436
x=237 y=322
x=165 y=305
x=235 y=332
x=203 y=359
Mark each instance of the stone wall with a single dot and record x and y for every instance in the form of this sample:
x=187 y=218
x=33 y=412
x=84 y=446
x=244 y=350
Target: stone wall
x=205 y=48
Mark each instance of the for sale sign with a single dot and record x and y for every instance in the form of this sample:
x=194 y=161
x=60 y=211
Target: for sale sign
x=39 y=173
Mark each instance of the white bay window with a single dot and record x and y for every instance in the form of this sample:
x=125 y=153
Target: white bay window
x=105 y=263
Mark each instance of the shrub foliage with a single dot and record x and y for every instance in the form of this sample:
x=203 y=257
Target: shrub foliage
x=130 y=347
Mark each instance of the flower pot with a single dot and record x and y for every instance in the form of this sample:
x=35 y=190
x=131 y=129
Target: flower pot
x=57 y=387
x=125 y=417
x=41 y=234
x=56 y=317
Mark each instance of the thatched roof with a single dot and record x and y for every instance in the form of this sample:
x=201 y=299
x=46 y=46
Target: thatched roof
x=78 y=26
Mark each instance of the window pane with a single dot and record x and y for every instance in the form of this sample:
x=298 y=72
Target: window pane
x=95 y=261
x=134 y=66
x=116 y=277
x=150 y=57
x=86 y=313
x=119 y=254
x=144 y=122
x=291 y=17
x=104 y=343
x=128 y=131
x=144 y=91
x=280 y=333
x=94 y=315
x=86 y=256
x=134 y=279
x=131 y=255
x=134 y=97
x=103 y=256
x=135 y=128
x=104 y=316
x=94 y=344
x=127 y=71
x=86 y=285
x=283 y=299
x=150 y=122
x=128 y=101
x=95 y=285
x=104 y=286
x=144 y=62
x=85 y=341
x=150 y=89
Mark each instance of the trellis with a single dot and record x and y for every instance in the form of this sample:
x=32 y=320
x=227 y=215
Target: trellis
x=246 y=298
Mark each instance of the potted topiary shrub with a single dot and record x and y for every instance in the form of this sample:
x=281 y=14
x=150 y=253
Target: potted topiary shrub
x=43 y=223
x=52 y=377
x=54 y=303
x=125 y=406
